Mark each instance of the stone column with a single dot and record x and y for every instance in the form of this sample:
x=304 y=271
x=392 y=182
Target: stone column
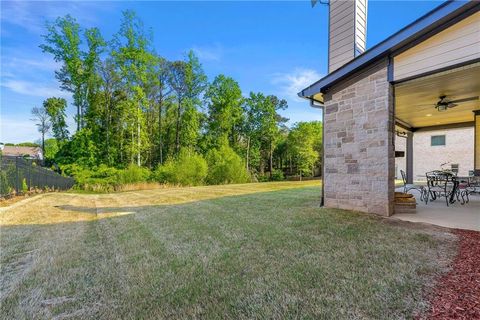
x=359 y=143
x=476 y=149
x=409 y=152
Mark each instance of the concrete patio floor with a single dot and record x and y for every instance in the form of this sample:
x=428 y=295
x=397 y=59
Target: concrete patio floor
x=456 y=215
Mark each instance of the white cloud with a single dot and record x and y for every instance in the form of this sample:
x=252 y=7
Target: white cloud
x=31 y=15
x=293 y=82
x=209 y=53
x=33 y=89
x=13 y=62
x=17 y=130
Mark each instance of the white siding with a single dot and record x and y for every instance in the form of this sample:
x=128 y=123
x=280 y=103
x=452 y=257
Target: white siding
x=456 y=44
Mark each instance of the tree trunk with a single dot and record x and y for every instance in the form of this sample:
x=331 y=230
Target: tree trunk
x=138 y=136
x=160 y=138
x=270 y=163
x=43 y=144
x=248 y=153
x=108 y=129
x=78 y=117
x=177 y=133
x=132 y=146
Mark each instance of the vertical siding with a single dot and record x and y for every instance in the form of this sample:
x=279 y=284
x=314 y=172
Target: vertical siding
x=347 y=25
x=458 y=43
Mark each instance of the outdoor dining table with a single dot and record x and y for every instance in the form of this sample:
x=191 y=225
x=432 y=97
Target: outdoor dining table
x=448 y=184
x=442 y=184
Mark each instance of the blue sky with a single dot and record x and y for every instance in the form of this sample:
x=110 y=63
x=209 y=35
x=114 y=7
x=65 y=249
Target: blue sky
x=276 y=47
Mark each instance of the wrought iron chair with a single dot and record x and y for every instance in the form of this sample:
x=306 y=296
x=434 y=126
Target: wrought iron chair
x=407 y=186
x=474 y=182
x=469 y=185
x=441 y=184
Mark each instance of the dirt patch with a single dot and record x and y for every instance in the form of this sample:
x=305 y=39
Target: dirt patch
x=457 y=293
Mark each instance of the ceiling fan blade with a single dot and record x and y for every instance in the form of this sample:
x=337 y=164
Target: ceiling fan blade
x=464 y=100
x=425 y=105
x=452 y=105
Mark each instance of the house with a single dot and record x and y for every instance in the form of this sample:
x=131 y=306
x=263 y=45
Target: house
x=425 y=78
x=17 y=151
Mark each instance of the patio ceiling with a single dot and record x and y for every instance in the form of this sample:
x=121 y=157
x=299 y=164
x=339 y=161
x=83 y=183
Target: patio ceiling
x=415 y=99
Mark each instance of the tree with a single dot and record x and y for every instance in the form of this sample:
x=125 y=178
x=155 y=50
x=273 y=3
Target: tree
x=225 y=113
x=51 y=149
x=225 y=166
x=178 y=70
x=272 y=124
x=131 y=51
x=108 y=113
x=42 y=119
x=262 y=127
x=161 y=95
x=305 y=140
x=80 y=150
x=188 y=81
x=135 y=107
x=55 y=108
x=63 y=42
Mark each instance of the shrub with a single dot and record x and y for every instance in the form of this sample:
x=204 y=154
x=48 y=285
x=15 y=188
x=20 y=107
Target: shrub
x=24 y=186
x=225 y=166
x=277 y=175
x=104 y=178
x=263 y=178
x=132 y=174
x=4 y=183
x=188 y=169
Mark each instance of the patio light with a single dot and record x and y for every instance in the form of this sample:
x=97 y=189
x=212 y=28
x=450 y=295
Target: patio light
x=442 y=107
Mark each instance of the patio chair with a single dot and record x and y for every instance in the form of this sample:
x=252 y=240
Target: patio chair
x=465 y=187
x=472 y=185
x=407 y=186
x=441 y=184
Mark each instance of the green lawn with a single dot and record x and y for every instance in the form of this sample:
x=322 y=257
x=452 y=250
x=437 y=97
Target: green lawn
x=221 y=252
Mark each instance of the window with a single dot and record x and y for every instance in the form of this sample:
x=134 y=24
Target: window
x=438 y=140
x=455 y=168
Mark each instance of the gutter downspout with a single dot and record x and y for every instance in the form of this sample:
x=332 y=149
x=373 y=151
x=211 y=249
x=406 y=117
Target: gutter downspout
x=322 y=107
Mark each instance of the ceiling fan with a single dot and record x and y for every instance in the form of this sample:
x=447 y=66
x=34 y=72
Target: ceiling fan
x=444 y=103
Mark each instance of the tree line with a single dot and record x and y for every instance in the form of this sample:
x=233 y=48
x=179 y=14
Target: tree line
x=134 y=107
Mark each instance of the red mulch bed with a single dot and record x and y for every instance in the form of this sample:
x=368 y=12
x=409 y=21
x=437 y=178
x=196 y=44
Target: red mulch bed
x=457 y=293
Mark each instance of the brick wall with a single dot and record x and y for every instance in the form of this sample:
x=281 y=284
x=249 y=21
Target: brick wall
x=458 y=149
x=359 y=151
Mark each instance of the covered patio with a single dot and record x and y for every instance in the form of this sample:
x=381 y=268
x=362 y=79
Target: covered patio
x=423 y=80
x=443 y=104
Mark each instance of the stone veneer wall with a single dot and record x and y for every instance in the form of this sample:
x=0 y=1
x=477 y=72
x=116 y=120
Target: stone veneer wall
x=359 y=151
